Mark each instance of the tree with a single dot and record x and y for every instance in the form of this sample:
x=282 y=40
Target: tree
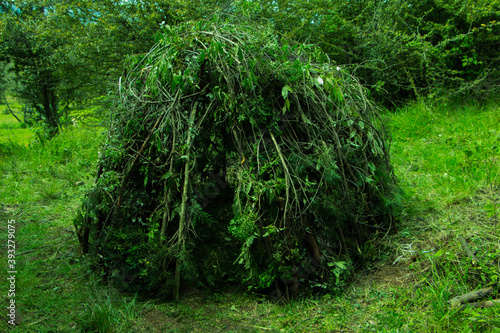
x=400 y=49
x=101 y=35
x=69 y=52
x=26 y=43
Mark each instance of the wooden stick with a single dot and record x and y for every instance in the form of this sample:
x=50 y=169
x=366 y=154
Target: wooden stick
x=473 y=295
x=467 y=250
x=183 y=224
x=485 y=304
x=128 y=173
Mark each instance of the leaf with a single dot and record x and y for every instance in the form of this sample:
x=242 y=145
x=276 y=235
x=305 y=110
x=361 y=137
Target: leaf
x=240 y=55
x=201 y=57
x=248 y=188
x=284 y=92
x=372 y=167
x=271 y=195
x=287 y=106
x=341 y=264
x=166 y=176
x=439 y=253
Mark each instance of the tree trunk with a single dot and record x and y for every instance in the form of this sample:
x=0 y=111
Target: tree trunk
x=10 y=110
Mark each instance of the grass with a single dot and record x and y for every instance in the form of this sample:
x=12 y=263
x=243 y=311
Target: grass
x=447 y=159
x=446 y=152
x=11 y=130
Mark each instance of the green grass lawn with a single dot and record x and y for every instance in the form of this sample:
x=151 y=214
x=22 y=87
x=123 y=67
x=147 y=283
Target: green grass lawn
x=447 y=160
x=11 y=130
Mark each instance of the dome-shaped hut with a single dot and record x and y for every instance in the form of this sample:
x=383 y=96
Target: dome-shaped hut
x=234 y=156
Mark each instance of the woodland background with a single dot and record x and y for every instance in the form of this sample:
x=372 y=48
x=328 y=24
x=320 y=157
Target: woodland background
x=67 y=53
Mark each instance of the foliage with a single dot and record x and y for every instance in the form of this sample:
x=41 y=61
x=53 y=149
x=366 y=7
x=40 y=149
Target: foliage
x=401 y=49
x=99 y=35
x=215 y=116
x=5 y=80
x=27 y=45
x=66 y=53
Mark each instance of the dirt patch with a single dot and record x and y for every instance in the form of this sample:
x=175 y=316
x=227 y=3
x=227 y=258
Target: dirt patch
x=393 y=275
x=387 y=276
x=156 y=321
